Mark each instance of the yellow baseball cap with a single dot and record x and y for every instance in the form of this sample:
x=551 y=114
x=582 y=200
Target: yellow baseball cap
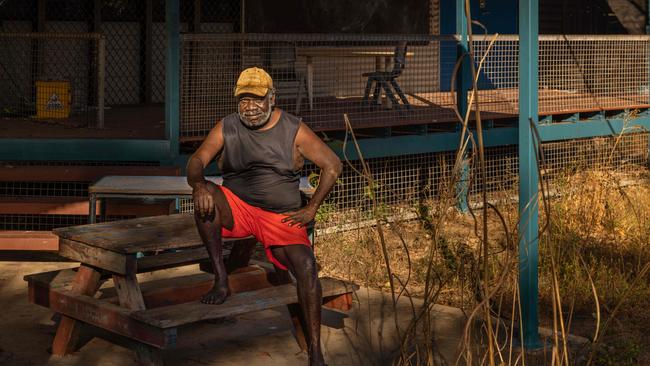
x=253 y=81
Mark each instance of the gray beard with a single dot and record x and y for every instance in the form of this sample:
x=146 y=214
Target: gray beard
x=256 y=125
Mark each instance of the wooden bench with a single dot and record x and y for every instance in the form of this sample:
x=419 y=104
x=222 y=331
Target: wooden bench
x=150 y=313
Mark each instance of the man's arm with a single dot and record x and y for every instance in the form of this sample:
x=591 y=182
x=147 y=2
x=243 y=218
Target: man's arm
x=211 y=146
x=314 y=149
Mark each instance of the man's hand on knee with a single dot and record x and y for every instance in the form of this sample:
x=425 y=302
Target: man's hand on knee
x=203 y=200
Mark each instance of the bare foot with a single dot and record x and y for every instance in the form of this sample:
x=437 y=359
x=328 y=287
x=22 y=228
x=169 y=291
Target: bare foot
x=216 y=296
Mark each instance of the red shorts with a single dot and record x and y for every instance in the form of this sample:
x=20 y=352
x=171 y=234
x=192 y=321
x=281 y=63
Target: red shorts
x=267 y=227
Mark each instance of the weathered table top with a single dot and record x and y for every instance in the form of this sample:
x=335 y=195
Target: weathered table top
x=158 y=185
x=137 y=235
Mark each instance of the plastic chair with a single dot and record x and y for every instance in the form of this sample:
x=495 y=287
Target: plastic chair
x=386 y=80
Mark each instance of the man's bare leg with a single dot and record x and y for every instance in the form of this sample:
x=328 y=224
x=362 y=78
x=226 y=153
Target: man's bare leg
x=209 y=228
x=302 y=264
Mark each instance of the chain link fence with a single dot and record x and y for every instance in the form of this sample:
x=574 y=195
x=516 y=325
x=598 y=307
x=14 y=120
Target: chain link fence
x=49 y=50
x=52 y=75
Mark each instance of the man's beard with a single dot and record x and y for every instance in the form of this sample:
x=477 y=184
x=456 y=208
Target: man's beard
x=259 y=123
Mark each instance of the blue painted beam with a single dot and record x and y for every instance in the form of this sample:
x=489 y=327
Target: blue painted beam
x=84 y=149
x=463 y=84
x=448 y=141
x=172 y=76
x=528 y=226
x=592 y=128
x=418 y=144
x=156 y=150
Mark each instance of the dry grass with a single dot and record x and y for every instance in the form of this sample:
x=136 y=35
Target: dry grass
x=597 y=234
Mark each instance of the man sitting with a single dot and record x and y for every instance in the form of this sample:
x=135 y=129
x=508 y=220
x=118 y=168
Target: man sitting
x=260 y=151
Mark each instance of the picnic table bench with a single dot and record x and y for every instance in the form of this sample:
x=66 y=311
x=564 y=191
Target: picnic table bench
x=150 y=313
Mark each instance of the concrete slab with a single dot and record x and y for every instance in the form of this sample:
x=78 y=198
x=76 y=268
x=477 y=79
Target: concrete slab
x=367 y=336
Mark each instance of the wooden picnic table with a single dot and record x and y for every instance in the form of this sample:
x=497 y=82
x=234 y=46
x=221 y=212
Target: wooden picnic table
x=150 y=313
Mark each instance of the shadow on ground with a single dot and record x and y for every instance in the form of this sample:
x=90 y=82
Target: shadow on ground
x=366 y=337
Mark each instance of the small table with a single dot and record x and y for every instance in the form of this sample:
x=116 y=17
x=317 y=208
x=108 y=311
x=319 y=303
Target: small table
x=150 y=313
x=152 y=187
x=382 y=58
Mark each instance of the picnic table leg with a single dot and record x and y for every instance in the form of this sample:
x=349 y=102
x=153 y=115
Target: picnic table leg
x=86 y=282
x=92 y=208
x=240 y=254
x=130 y=297
x=299 y=326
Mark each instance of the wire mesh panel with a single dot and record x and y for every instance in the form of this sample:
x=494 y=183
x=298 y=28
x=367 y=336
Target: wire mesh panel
x=403 y=182
x=321 y=77
x=39 y=187
x=624 y=153
x=43 y=189
x=377 y=80
x=576 y=73
x=593 y=73
x=51 y=76
x=497 y=62
x=46 y=222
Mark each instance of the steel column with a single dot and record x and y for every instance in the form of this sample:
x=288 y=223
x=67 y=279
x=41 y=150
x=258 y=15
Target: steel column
x=528 y=177
x=173 y=76
x=463 y=81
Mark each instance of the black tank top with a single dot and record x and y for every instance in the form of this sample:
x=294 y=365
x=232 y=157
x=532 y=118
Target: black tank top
x=258 y=165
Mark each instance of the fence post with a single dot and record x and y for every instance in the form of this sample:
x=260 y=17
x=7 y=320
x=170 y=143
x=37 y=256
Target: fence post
x=462 y=85
x=101 y=79
x=647 y=24
x=528 y=177
x=172 y=78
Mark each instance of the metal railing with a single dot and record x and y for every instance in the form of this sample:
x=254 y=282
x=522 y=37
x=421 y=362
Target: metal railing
x=577 y=73
x=320 y=77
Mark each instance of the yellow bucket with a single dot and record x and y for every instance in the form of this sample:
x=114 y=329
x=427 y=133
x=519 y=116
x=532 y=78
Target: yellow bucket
x=53 y=99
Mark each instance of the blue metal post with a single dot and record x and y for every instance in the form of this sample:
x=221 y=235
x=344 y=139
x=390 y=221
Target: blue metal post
x=172 y=76
x=463 y=80
x=528 y=178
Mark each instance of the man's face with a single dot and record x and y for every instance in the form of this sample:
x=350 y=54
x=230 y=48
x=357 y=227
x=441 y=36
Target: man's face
x=255 y=111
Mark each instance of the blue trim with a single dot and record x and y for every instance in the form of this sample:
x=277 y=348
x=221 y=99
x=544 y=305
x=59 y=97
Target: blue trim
x=419 y=144
x=448 y=141
x=84 y=149
x=592 y=128
x=172 y=76
x=463 y=83
x=528 y=226
x=153 y=150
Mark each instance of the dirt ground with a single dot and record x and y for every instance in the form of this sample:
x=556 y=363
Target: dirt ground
x=367 y=336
